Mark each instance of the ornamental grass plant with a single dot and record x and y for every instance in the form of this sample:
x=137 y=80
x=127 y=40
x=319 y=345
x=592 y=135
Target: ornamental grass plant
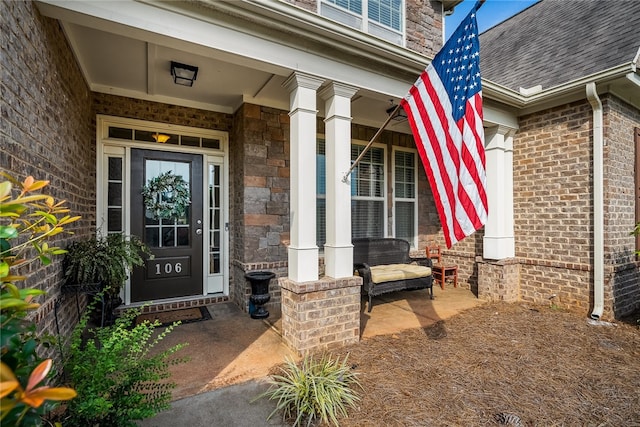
x=317 y=389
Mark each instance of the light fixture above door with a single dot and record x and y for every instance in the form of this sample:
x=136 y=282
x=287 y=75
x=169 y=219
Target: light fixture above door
x=161 y=137
x=183 y=74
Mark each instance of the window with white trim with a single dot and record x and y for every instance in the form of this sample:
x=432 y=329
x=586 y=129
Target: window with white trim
x=368 y=185
x=381 y=18
x=405 y=195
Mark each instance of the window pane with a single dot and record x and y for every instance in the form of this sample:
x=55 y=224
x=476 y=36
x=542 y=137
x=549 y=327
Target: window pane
x=386 y=12
x=152 y=238
x=405 y=228
x=367 y=218
x=321 y=226
x=115 y=169
x=120 y=133
x=114 y=219
x=404 y=195
x=211 y=143
x=190 y=141
x=114 y=194
x=354 y=6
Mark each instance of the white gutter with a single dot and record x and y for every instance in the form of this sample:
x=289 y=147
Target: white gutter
x=598 y=202
x=513 y=98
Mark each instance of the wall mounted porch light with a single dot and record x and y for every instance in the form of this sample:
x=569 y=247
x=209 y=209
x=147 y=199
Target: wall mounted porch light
x=161 y=137
x=183 y=74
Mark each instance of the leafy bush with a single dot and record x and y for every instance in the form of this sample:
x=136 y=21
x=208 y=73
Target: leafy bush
x=117 y=379
x=105 y=260
x=315 y=389
x=29 y=220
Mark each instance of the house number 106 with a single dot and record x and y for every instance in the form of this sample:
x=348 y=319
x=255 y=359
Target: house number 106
x=169 y=268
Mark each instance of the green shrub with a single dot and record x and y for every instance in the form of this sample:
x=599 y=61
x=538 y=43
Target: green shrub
x=314 y=390
x=28 y=222
x=106 y=260
x=117 y=379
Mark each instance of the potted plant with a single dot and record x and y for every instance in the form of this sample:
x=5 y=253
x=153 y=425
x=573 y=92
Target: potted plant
x=102 y=264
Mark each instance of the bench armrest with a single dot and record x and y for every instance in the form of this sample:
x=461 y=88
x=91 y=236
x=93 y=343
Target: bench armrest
x=364 y=271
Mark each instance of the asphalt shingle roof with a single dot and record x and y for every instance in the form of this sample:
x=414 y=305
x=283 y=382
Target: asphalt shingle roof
x=556 y=41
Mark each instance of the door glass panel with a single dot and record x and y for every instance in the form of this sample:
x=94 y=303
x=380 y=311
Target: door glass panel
x=163 y=232
x=115 y=189
x=215 y=219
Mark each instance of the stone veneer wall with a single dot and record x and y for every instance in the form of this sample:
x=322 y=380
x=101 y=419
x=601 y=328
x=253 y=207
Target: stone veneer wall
x=260 y=207
x=622 y=270
x=45 y=131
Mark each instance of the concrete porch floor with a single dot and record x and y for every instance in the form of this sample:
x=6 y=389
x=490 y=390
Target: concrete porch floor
x=232 y=348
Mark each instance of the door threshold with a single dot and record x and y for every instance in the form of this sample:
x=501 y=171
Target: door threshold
x=177 y=303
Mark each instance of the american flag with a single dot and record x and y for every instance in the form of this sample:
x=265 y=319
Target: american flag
x=444 y=107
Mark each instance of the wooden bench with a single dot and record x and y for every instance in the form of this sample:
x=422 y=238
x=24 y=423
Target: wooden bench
x=385 y=266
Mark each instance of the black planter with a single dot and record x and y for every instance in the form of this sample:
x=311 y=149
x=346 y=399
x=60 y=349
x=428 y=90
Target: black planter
x=259 y=291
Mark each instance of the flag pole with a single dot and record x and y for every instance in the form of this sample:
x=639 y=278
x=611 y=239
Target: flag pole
x=373 y=139
x=384 y=125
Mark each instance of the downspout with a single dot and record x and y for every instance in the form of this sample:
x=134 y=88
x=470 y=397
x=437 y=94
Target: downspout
x=598 y=202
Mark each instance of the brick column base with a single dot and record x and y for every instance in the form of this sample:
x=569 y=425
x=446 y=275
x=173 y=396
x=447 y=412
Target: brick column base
x=499 y=280
x=322 y=314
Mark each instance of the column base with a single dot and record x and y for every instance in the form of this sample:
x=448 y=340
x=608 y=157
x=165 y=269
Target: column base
x=321 y=314
x=499 y=280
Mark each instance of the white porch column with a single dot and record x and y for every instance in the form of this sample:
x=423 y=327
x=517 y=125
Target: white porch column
x=303 y=250
x=338 y=250
x=499 y=241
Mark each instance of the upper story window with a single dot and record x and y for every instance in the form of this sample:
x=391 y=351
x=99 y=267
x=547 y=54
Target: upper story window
x=382 y=18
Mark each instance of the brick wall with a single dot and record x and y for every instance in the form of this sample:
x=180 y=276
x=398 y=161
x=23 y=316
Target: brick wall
x=622 y=271
x=320 y=315
x=553 y=207
x=424 y=26
x=45 y=131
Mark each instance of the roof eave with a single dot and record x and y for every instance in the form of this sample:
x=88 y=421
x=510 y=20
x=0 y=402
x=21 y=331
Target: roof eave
x=556 y=94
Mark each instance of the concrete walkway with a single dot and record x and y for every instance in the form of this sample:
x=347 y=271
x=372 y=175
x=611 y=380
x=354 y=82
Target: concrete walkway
x=231 y=406
x=231 y=356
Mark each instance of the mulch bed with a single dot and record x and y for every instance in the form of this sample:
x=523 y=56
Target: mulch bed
x=501 y=364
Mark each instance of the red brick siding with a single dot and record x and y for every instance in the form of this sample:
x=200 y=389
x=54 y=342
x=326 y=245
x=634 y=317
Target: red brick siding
x=622 y=272
x=45 y=131
x=553 y=207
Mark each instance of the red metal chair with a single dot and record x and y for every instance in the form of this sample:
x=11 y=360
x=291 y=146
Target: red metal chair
x=441 y=272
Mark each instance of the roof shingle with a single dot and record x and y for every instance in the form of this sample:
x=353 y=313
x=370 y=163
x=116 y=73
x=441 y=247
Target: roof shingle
x=556 y=41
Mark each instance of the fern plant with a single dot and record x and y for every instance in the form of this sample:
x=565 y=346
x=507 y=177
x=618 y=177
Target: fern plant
x=316 y=389
x=106 y=260
x=117 y=378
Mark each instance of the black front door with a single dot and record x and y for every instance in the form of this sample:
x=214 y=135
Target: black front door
x=174 y=236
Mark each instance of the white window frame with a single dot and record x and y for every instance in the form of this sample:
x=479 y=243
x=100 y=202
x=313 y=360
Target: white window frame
x=364 y=23
x=385 y=184
x=414 y=200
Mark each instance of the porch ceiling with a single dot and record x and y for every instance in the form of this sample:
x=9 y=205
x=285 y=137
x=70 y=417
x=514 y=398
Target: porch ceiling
x=135 y=62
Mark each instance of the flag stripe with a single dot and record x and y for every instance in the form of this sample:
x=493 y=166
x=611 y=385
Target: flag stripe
x=444 y=108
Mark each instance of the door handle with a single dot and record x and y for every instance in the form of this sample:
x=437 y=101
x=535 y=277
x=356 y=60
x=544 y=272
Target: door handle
x=198 y=231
